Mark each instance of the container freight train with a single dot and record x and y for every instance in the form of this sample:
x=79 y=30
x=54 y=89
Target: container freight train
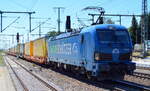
x=35 y=51
x=98 y=51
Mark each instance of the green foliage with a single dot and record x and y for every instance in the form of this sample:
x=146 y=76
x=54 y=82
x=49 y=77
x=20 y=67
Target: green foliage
x=137 y=27
x=135 y=31
x=52 y=33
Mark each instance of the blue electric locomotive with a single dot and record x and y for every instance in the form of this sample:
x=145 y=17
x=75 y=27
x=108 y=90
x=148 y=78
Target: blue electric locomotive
x=98 y=50
x=103 y=50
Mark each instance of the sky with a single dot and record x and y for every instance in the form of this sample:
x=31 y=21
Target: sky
x=45 y=9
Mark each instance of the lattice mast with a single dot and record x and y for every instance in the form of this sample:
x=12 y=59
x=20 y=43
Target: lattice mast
x=144 y=25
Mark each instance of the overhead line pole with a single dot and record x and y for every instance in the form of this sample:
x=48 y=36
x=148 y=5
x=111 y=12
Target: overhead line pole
x=1 y=12
x=144 y=26
x=120 y=19
x=59 y=20
x=1 y=21
x=39 y=30
x=59 y=9
x=30 y=21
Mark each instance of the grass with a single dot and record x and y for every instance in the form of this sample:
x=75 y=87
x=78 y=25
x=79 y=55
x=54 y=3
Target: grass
x=1 y=59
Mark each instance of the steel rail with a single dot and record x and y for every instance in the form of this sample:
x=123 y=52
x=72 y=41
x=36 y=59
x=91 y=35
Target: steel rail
x=134 y=85
x=21 y=82
x=141 y=75
x=53 y=88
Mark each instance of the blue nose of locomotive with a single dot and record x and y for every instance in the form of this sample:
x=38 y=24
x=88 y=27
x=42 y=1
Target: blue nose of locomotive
x=113 y=49
x=113 y=43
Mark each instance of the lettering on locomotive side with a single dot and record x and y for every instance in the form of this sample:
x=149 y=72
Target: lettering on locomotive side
x=66 y=48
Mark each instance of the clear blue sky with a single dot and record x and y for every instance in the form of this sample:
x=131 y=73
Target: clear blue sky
x=44 y=9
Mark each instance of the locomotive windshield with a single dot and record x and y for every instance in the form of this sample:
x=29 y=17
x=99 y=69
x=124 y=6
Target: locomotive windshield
x=113 y=36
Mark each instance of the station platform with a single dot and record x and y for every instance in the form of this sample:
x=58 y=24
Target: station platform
x=143 y=62
x=6 y=83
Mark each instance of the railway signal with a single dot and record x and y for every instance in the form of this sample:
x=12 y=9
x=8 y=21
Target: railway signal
x=59 y=21
x=17 y=37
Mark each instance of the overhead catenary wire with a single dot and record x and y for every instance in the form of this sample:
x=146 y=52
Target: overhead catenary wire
x=10 y=24
x=40 y=24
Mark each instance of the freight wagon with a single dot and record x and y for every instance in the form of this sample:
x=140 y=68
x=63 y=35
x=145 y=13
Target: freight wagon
x=13 y=50
x=21 y=50
x=40 y=51
x=36 y=50
x=28 y=50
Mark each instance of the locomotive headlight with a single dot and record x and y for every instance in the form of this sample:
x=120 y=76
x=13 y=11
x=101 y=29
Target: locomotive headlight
x=131 y=56
x=97 y=56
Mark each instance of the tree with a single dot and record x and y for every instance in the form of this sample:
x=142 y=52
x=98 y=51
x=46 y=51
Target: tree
x=134 y=30
x=52 y=33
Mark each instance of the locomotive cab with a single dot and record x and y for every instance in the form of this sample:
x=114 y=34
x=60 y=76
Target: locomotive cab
x=111 y=44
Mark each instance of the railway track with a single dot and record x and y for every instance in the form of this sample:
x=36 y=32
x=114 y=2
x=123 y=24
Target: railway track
x=144 y=68
x=120 y=85
x=49 y=85
x=141 y=75
x=21 y=82
x=130 y=85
